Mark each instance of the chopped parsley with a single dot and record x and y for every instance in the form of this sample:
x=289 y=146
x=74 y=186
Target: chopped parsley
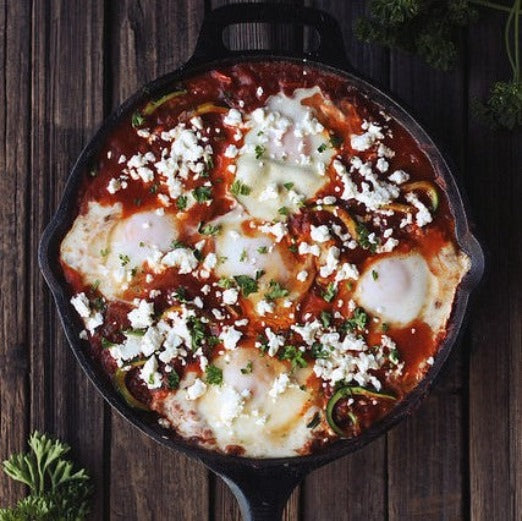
x=319 y=351
x=214 y=375
x=173 y=380
x=283 y=210
x=239 y=188
x=288 y=186
x=322 y=147
x=294 y=355
x=225 y=283
x=314 y=422
x=202 y=194
x=326 y=318
x=385 y=327
x=248 y=368
x=336 y=141
x=124 y=259
x=262 y=249
x=137 y=119
x=181 y=202
x=106 y=344
x=209 y=229
x=181 y=294
x=154 y=188
x=293 y=248
x=363 y=238
x=197 y=332
x=375 y=275
x=275 y=291
x=394 y=356
x=95 y=285
x=177 y=244
x=247 y=284
x=330 y=292
x=104 y=252
x=244 y=255
x=260 y=150
x=358 y=320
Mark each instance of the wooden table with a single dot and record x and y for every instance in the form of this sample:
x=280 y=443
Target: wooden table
x=65 y=65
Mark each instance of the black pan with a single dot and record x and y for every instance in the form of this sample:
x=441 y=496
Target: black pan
x=262 y=486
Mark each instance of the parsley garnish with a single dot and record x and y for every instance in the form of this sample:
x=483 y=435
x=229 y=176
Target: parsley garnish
x=137 y=119
x=239 y=188
x=247 y=284
x=173 y=380
x=225 y=283
x=358 y=320
x=294 y=355
x=262 y=249
x=375 y=275
x=209 y=229
x=319 y=351
x=104 y=252
x=244 y=255
x=385 y=327
x=181 y=202
x=106 y=344
x=288 y=186
x=363 y=238
x=181 y=294
x=124 y=259
x=248 y=368
x=326 y=318
x=322 y=147
x=293 y=248
x=275 y=290
x=260 y=150
x=154 y=188
x=197 y=332
x=202 y=194
x=394 y=356
x=57 y=490
x=283 y=210
x=336 y=141
x=214 y=375
x=330 y=292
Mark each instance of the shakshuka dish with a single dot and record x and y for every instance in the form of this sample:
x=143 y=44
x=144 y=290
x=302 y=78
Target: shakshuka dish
x=263 y=258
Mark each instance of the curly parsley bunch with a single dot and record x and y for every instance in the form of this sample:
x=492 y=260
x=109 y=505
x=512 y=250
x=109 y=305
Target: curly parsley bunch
x=430 y=29
x=57 y=491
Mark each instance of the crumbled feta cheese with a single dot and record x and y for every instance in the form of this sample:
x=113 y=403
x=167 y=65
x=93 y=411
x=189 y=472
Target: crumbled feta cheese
x=274 y=341
x=332 y=261
x=82 y=305
x=231 y=151
x=320 y=233
x=183 y=258
x=233 y=118
x=423 y=215
x=278 y=230
x=230 y=337
x=113 y=186
x=305 y=248
x=141 y=316
x=149 y=373
x=196 y=390
x=263 y=307
x=302 y=276
x=230 y=296
x=280 y=385
x=398 y=177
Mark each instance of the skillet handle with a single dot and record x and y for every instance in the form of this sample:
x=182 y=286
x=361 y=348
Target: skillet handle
x=210 y=44
x=262 y=493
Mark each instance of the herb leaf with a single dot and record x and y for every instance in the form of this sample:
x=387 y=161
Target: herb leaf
x=247 y=284
x=239 y=188
x=202 y=194
x=214 y=375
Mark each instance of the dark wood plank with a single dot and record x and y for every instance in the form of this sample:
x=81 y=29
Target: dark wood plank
x=354 y=487
x=14 y=165
x=148 y=482
x=495 y=160
x=427 y=453
x=67 y=93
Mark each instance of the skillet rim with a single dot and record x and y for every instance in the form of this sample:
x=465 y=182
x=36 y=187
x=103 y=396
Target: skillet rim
x=66 y=212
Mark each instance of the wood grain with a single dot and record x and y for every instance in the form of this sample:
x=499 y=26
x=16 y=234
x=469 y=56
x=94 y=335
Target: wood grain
x=65 y=65
x=66 y=110
x=149 y=482
x=14 y=168
x=495 y=389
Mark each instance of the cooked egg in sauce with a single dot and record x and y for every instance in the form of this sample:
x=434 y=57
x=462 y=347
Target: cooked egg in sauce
x=264 y=259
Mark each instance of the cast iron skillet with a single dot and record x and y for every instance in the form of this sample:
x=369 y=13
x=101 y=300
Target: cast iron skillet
x=262 y=486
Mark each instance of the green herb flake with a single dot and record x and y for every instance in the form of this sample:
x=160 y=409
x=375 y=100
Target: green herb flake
x=209 y=229
x=239 y=188
x=384 y=327
x=275 y=291
x=214 y=375
x=375 y=275
x=330 y=292
x=314 y=422
x=247 y=284
x=173 y=380
x=197 y=332
x=104 y=252
x=202 y=194
x=181 y=202
x=358 y=321
x=319 y=351
x=262 y=249
x=248 y=368
x=260 y=150
x=106 y=344
x=336 y=141
x=124 y=259
x=288 y=186
x=154 y=188
x=225 y=283
x=326 y=318
x=322 y=147
x=283 y=210
x=363 y=238
x=137 y=119
x=293 y=355
x=181 y=294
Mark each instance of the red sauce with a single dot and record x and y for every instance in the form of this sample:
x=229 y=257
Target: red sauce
x=236 y=87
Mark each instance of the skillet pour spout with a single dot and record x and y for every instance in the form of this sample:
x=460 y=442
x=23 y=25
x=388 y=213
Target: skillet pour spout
x=261 y=486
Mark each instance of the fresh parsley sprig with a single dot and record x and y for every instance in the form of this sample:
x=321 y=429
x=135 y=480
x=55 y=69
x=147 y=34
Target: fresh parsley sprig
x=57 y=492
